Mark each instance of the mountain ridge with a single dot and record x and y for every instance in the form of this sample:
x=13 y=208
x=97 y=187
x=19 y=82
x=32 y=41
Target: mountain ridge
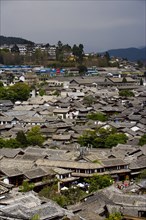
x=13 y=40
x=131 y=53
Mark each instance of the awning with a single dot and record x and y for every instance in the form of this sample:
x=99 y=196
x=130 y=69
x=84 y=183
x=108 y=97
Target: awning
x=135 y=173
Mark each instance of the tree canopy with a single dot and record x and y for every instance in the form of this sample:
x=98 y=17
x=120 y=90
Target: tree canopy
x=9 y=143
x=26 y=186
x=78 y=52
x=21 y=138
x=67 y=197
x=126 y=93
x=98 y=182
x=115 y=216
x=100 y=138
x=18 y=92
x=142 y=140
x=97 y=116
x=142 y=175
x=114 y=139
x=88 y=100
x=34 y=136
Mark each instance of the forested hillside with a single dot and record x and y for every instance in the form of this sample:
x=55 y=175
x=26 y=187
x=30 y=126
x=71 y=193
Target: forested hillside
x=13 y=40
x=132 y=54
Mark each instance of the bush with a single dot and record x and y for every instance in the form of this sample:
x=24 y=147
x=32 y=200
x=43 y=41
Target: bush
x=35 y=217
x=142 y=175
x=126 y=93
x=115 y=216
x=114 y=139
x=98 y=182
x=26 y=186
x=102 y=138
x=142 y=140
x=67 y=197
x=97 y=116
x=34 y=136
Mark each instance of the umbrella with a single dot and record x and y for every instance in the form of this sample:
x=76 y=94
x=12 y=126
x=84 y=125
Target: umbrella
x=81 y=185
x=64 y=188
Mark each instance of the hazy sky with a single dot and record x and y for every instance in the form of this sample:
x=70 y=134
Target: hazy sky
x=99 y=25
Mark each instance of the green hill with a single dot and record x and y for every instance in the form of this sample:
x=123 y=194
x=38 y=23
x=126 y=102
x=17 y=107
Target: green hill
x=132 y=54
x=13 y=40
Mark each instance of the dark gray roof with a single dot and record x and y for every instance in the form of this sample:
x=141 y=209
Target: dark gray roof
x=139 y=163
x=131 y=211
x=125 y=199
x=3 y=188
x=10 y=153
x=22 y=165
x=34 y=150
x=113 y=162
x=26 y=206
x=133 y=117
x=10 y=172
x=31 y=156
x=6 y=103
x=61 y=137
x=35 y=173
x=143 y=120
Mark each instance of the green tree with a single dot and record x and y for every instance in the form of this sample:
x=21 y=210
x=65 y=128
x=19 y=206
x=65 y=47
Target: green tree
x=98 y=182
x=88 y=138
x=88 y=100
x=97 y=116
x=142 y=140
x=104 y=133
x=21 y=138
x=142 y=175
x=42 y=92
x=10 y=77
x=114 y=139
x=115 y=216
x=2 y=143
x=59 y=51
x=37 y=56
x=12 y=143
x=9 y=143
x=78 y=52
x=11 y=95
x=82 y=69
x=26 y=186
x=107 y=57
x=67 y=197
x=1 y=84
x=19 y=91
x=3 y=93
x=59 y=44
x=126 y=93
x=101 y=138
x=73 y=195
x=35 y=217
x=124 y=80
x=34 y=136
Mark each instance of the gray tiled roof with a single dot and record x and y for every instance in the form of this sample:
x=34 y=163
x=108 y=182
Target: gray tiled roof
x=35 y=173
x=26 y=206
